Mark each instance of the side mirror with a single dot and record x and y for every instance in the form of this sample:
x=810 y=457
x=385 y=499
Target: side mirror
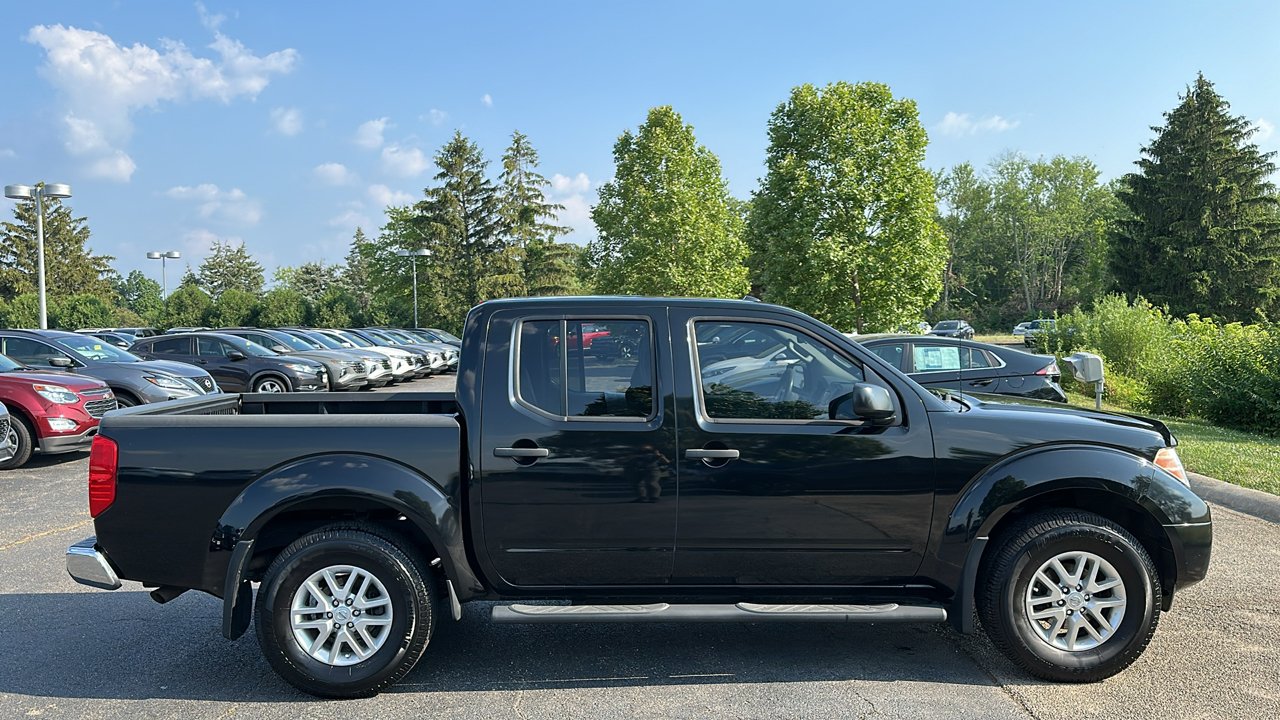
x=60 y=362
x=865 y=402
x=280 y=349
x=235 y=355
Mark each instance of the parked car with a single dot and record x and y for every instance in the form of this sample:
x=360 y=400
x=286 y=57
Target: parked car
x=915 y=328
x=236 y=364
x=432 y=361
x=139 y=332
x=120 y=340
x=346 y=371
x=6 y=440
x=1036 y=329
x=1021 y=329
x=839 y=491
x=133 y=380
x=51 y=412
x=178 y=330
x=378 y=365
x=448 y=349
x=438 y=335
x=441 y=357
x=953 y=328
x=971 y=367
x=401 y=361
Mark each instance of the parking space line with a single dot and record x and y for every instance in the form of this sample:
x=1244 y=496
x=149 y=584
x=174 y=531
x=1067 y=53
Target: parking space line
x=29 y=538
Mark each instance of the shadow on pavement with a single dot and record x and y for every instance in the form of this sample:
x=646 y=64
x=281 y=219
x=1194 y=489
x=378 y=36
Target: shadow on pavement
x=122 y=645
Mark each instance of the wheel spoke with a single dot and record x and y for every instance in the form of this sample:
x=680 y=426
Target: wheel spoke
x=337 y=635
x=1079 y=619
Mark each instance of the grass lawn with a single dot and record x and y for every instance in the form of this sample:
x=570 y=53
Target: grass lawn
x=997 y=339
x=1241 y=458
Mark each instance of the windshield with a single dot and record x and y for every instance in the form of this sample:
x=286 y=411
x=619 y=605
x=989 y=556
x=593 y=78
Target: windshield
x=947 y=325
x=445 y=335
x=250 y=348
x=290 y=341
x=353 y=339
x=381 y=336
x=93 y=348
x=6 y=364
x=325 y=340
x=402 y=336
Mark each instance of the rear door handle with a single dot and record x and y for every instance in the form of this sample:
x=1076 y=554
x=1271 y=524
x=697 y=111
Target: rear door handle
x=705 y=454
x=513 y=452
x=981 y=383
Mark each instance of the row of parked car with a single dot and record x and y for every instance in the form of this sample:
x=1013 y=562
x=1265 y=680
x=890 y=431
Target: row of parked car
x=55 y=385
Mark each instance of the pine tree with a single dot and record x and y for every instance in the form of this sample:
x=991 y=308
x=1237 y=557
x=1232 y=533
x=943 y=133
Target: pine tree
x=355 y=277
x=1204 y=235
x=71 y=268
x=229 y=267
x=546 y=266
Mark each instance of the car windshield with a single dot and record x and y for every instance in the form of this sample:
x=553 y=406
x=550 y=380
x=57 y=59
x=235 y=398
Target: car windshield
x=353 y=339
x=7 y=365
x=291 y=341
x=446 y=335
x=402 y=336
x=380 y=336
x=325 y=340
x=92 y=348
x=250 y=348
x=947 y=325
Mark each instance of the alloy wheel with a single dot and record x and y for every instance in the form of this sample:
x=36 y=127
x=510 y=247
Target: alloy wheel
x=1076 y=601
x=341 y=615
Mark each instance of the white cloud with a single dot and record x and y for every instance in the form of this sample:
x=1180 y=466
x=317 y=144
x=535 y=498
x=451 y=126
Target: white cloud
x=197 y=244
x=435 y=116
x=959 y=124
x=352 y=218
x=488 y=101
x=211 y=22
x=1263 y=129
x=288 y=120
x=369 y=134
x=103 y=84
x=562 y=185
x=404 y=161
x=7 y=153
x=383 y=196
x=117 y=166
x=574 y=193
x=333 y=174
x=232 y=206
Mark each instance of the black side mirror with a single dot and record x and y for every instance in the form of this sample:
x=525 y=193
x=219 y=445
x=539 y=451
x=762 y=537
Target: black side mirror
x=865 y=402
x=60 y=362
x=235 y=355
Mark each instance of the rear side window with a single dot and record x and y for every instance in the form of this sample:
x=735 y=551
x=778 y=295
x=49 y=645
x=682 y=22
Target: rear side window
x=172 y=346
x=935 y=358
x=974 y=359
x=586 y=368
x=30 y=352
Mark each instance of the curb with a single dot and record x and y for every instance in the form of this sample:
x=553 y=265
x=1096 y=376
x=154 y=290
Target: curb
x=1250 y=502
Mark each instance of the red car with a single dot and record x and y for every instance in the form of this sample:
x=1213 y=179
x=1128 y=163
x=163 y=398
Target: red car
x=54 y=412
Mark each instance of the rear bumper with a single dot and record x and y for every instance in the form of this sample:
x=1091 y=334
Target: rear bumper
x=88 y=566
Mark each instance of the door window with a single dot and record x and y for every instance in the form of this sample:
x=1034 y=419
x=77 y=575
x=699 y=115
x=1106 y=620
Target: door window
x=974 y=359
x=31 y=352
x=935 y=358
x=612 y=376
x=173 y=346
x=769 y=372
x=891 y=354
x=210 y=347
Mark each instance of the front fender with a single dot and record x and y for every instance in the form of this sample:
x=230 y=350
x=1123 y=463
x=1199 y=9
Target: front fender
x=354 y=481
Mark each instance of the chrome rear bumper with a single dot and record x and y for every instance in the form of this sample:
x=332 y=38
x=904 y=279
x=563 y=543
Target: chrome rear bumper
x=87 y=566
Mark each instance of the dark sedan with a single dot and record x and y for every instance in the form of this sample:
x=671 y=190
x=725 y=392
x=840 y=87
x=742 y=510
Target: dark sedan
x=971 y=367
x=953 y=329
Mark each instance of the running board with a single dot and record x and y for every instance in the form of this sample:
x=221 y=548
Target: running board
x=741 y=612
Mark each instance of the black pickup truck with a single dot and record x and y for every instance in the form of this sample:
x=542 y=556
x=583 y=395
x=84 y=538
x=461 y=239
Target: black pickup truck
x=701 y=476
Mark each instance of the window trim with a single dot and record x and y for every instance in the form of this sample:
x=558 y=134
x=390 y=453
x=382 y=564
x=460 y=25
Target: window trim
x=961 y=346
x=513 y=365
x=698 y=392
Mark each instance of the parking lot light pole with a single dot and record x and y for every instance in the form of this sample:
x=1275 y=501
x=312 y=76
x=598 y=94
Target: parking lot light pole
x=39 y=193
x=164 y=275
x=413 y=256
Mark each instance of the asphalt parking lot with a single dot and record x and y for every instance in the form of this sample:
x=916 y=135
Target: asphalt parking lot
x=71 y=651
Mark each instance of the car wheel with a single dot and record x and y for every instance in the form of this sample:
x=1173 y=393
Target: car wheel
x=271 y=384
x=21 y=440
x=1069 y=596
x=125 y=400
x=345 y=611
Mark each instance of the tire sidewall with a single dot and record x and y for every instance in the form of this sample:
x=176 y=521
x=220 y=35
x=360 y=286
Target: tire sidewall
x=24 y=446
x=393 y=574
x=1139 y=608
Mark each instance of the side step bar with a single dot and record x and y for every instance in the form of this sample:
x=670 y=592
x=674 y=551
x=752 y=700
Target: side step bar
x=741 y=612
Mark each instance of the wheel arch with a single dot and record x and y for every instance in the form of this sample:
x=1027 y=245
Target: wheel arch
x=258 y=376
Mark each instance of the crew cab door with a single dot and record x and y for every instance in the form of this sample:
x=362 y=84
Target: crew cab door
x=772 y=491
x=577 y=451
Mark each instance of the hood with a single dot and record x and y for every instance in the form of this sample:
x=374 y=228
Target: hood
x=330 y=355
x=1123 y=428
x=70 y=381
x=169 y=367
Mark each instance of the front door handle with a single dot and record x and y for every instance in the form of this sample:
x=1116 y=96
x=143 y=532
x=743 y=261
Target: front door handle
x=711 y=454
x=514 y=452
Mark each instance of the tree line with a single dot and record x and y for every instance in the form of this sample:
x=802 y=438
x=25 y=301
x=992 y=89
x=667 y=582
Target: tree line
x=847 y=225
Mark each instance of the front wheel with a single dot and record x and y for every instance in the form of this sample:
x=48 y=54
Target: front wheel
x=22 y=440
x=345 y=611
x=271 y=385
x=1069 y=596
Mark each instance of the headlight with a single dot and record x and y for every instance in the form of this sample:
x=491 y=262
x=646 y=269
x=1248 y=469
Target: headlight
x=300 y=368
x=62 y=424
x=1167 y=459
x=57 y=393
x=167 y=383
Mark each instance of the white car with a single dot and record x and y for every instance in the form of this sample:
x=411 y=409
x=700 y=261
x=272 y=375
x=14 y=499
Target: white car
x=1021 y=329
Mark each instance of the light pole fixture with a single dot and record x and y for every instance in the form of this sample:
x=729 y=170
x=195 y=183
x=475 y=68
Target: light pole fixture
x=413 y=256
x=163 y=257
x=39 y=193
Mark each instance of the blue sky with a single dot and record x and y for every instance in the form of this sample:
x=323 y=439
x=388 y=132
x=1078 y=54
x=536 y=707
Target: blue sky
x=287 y=124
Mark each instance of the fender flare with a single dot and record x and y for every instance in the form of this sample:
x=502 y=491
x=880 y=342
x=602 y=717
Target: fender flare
x=334 y=479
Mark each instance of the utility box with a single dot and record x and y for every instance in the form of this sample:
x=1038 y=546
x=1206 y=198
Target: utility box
x=1086 y=367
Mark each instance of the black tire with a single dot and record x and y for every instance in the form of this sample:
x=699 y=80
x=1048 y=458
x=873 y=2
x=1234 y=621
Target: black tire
x=266 y=379
x=124 y=399
x=23 y=442
x=395 y=563
x=1020 y=552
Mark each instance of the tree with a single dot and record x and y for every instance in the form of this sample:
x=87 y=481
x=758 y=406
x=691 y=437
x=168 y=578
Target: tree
x=188 y=306
x=281 y=307
x=233 y=308
x=337 y=308
x=229 y=267
x=546 y=266
x=71 y=268
x=189 y=278
x=843 y=226
x=310 y=279
x=666 y=224
x=140 y=294
x=1204 y=236
x=83 y=311
x=355 y=276
x=23 y=312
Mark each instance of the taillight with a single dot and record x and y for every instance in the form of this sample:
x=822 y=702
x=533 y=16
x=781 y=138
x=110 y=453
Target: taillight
x=1050 y=369
x=1168 y=460
x=103 y=458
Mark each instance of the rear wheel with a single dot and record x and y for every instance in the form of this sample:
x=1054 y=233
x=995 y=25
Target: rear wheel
x=21 y=439
x=1069 y=596
x=345 y=611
